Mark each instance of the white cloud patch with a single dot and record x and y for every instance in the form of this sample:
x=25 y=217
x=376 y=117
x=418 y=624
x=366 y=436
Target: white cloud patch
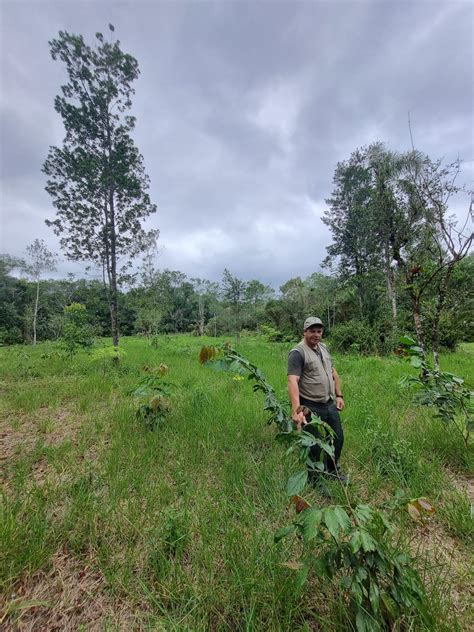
x=276 y=109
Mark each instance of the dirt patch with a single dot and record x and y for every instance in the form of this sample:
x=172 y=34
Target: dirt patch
x=19 y=434
x=71 y=594
x=465 y=483
x=448 y=564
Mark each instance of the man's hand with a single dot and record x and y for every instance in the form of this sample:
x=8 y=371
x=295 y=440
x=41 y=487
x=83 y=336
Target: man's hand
x=299 y=419
x=340 y=403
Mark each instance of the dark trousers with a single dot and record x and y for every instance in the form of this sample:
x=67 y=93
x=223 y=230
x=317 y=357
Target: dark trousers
x=328 y=413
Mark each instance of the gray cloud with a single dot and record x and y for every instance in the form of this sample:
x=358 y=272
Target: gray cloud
x=243 y=111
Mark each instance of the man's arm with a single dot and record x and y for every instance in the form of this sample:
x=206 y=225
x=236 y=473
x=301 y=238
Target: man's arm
x=294 y=393
x=337 y=384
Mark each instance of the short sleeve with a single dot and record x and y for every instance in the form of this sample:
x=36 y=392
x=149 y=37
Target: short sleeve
x=295 y=363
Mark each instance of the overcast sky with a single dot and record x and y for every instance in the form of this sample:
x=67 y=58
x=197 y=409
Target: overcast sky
x=243 y=110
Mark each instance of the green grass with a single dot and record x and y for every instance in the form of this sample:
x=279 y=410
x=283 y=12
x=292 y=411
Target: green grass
x=178 y=523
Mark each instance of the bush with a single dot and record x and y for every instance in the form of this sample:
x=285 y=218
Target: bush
x=355 y=336
x=271 y=334
x=358 y=336
x=77 y=332
x=10 y=336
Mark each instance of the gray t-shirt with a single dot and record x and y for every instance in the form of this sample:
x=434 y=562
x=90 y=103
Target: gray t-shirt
x=295 y=363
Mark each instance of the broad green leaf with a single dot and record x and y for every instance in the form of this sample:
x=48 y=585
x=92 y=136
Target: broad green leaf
x=368 y=542
x=328 y=448
x=356 y=541
x=374 y=596
x=332 y=523
x=283 y=532
x=406 y=340
x=364 y=512
x=389 y=603
x=416 y=362
x=365 y=623
x=296 y=483
x=312 y=520
x=342 y=518
x=302 y=576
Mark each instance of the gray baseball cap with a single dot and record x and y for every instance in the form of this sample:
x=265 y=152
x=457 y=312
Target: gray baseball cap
x=312 y=320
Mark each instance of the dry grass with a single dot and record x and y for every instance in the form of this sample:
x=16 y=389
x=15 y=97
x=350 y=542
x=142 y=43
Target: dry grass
x=19 y=433
x=72 y=593
x=447 y=563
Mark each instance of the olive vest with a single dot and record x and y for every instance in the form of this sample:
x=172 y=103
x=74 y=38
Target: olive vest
x=316 y=382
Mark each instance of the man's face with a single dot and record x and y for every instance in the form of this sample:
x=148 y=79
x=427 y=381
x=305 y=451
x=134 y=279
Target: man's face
x=313 y=335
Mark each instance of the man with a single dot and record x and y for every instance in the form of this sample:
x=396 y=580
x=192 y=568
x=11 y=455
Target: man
x=314 y=383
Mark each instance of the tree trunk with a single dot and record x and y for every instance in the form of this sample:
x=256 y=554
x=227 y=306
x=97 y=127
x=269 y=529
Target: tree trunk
x=113 y=273
x=201 y=315
x=35 y=314
x=112 y=239
x=392 y=297
x=416 y=308
x=440 y=302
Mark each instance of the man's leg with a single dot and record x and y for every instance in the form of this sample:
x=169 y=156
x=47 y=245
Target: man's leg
x=329 y=414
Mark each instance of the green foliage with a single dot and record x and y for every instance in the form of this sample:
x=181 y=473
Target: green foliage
x=176 y=534
x=156 y=391
x=76 y=331
x=271 y=334
x=441 y=390
x=355 y=336
x=107 y=358
x=358 y=336
x=354 y=548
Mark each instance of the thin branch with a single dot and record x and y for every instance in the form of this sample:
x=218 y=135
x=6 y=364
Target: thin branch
x=411 y=135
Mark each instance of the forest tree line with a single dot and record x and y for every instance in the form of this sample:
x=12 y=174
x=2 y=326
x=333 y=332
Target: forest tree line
x=167 y=301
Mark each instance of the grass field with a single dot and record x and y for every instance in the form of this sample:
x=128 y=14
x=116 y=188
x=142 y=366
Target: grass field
x=106 y=525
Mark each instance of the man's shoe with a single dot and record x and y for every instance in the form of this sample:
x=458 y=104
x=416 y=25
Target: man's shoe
x=338 y=475
x=342 y=476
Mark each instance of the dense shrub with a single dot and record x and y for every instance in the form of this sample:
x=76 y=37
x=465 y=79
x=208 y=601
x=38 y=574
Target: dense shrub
x=354 y=336
x=358 y=336
x=77 y=332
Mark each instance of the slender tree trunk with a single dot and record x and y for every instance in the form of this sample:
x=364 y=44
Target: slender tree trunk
x=416 y=308
x=113 y=239
x=418 y=325
x=440 y=303
x=201 y=315
x=392 y=297
x=113 y=273
x=35 y=314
